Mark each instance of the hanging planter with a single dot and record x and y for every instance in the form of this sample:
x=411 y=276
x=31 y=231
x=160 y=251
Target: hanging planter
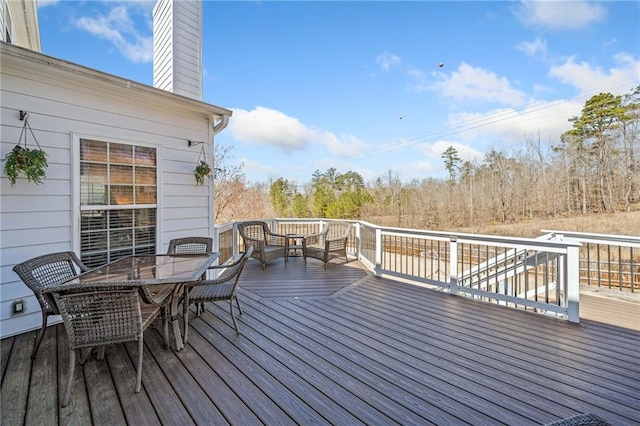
x=203 y=170
x=32 y=162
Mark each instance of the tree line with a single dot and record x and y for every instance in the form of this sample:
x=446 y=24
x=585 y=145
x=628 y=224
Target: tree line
x=594 y=168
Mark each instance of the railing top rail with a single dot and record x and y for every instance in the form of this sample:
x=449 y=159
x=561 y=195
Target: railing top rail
x=516 y=242
x=586 y=237
x=225 y=226
x=478 y=238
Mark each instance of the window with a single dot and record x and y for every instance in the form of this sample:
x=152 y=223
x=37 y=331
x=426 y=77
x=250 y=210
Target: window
x=118 y=201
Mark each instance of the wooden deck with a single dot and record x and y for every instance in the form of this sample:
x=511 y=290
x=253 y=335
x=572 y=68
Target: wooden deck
x=343 y=347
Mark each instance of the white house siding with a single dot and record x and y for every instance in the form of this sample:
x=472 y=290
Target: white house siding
x=177 y=44
x=162 y=45
x=66 y=102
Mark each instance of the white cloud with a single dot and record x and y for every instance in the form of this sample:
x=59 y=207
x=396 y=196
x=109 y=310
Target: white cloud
x=511 y=125
x=386 y=60
x=118 y=28
x=560 y=15
x=257 y=171
x=473 y=83
x=420 y=169
x=592 y=79
x=344 y=146
x=269 y=127
x=537 y=48
x=264 y=126
x=435 y=150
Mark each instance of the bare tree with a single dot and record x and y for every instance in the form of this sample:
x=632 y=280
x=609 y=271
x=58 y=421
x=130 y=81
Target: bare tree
x=228 y=185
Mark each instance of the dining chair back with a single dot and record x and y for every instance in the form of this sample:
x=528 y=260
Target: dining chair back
x=190 y=245
x=96 y=317
x=42 y=272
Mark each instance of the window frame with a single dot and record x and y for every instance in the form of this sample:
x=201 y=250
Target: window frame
x=77 y=208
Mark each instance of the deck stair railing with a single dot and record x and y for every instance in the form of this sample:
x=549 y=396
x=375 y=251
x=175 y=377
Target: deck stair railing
x=505 y=266
x=608 y=261
x=508 y=265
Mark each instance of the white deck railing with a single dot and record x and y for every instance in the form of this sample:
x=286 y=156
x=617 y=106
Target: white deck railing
x=611 y=261
x=541 y=275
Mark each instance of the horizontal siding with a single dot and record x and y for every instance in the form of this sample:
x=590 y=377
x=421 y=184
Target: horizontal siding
x=187 y=74
x=29 y=219
x=178 y=213
x=37 y=219
x=16 y=289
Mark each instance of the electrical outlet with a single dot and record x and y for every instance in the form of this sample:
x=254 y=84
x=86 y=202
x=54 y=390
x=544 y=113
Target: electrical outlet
x=18 y=306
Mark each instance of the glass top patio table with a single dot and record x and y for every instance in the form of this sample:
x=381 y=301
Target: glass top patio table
x=147 y=270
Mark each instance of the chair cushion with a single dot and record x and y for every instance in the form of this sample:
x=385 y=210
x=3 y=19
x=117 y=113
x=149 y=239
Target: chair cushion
x=212 y=292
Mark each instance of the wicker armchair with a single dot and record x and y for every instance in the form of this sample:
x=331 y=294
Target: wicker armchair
x=45 y=271
x=267 y=245
x=97 y=317
x=329 y=243
x=224 y=287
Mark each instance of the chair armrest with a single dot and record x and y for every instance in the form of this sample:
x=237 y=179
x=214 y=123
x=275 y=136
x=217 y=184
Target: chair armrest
x=277 y=239
x=253 y=242
x=335 y=243
x=76 y=259
x=311 y=239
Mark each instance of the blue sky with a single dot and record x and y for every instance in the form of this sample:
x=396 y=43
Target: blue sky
x=358 y=85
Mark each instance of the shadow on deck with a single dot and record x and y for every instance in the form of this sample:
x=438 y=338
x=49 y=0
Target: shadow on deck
x=343 y=347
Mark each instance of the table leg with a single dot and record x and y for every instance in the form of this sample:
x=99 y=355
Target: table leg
x=175 y=301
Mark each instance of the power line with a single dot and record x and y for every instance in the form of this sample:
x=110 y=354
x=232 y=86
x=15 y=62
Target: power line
x=487 y=120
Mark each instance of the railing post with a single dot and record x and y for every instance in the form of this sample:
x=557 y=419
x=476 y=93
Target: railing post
x=358 y=240
x=378 y=270
x=572 y=277
x=216 y=239
x=453 y=265
x=234 y=243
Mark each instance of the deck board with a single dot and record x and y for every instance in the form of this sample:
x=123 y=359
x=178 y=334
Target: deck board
x=339 y=346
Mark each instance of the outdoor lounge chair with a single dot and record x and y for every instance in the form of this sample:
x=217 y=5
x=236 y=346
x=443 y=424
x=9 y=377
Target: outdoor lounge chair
x=45 y=271
x=94 y=317
x=224 y=287
x=267 y=245
x=329 y=243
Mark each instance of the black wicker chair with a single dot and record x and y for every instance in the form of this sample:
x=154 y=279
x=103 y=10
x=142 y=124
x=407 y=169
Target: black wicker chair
x=329 y=243
x=46 y=271
x=95 y=317
x=267 y=245
x=224 y=287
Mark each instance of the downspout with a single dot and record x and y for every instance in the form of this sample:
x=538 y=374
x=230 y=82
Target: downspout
x=214 y=130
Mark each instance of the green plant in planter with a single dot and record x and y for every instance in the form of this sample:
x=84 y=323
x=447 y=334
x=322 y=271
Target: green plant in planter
x=31 y=162
x=203 y=171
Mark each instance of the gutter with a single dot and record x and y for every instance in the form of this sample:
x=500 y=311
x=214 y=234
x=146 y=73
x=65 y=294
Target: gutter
x=220 y=125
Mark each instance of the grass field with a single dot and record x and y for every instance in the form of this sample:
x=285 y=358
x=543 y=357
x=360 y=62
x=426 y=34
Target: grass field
x=625 y=223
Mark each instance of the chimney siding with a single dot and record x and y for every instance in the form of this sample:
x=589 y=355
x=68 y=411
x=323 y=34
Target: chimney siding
x=177 y=47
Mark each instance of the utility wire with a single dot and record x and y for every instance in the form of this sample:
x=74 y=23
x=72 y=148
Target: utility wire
x=487 y=120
